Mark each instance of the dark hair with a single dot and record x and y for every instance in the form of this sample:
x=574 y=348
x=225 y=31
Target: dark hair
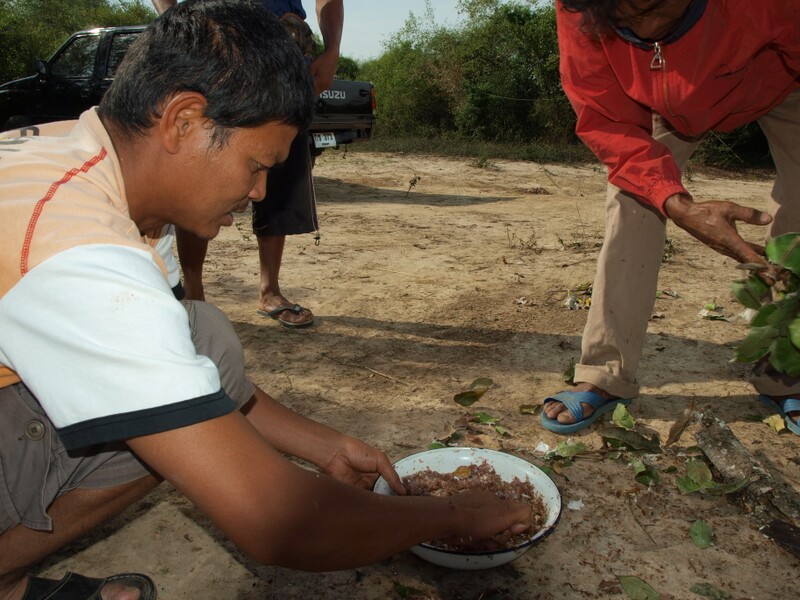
x=599 y=16
x=233 y=52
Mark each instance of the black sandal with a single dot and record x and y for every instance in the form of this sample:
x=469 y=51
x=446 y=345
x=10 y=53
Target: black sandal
x=78 y=587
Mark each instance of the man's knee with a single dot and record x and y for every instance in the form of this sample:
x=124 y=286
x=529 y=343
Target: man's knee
x=214 y=337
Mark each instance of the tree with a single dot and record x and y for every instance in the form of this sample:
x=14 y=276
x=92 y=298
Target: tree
x=494 y=78
x=347 y=68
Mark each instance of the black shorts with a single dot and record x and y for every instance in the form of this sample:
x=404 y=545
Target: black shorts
x=290 y=205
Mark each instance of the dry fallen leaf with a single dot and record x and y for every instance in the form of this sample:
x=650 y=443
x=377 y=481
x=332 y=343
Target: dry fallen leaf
x=679 y=426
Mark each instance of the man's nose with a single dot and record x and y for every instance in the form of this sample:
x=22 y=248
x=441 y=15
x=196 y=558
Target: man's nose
x=259 y=190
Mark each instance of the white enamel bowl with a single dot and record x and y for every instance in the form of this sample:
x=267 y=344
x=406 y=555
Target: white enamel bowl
x=447 y=460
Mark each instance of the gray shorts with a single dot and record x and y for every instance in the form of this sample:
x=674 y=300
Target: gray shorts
x=35 y=469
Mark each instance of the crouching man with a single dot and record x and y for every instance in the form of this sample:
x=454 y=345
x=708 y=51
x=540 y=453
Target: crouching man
x=108 y=384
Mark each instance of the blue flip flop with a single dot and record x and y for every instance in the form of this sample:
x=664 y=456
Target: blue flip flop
x=572 y=400
x=782 y=407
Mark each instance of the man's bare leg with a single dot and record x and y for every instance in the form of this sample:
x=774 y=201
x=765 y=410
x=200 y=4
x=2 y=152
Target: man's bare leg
x=74 y=514
x=270 y=255
x=192 y=254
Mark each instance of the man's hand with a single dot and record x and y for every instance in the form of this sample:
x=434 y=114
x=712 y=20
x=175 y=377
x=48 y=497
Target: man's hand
x=486 y=514
x=322 y=69
x=714 y=224
x=359 y=464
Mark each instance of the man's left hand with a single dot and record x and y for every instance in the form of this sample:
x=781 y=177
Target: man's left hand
x=359 y=464
x=714 y=224
x=322 y=69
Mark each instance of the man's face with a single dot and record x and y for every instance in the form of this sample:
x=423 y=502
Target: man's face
x=221 y=179
x=651 y=19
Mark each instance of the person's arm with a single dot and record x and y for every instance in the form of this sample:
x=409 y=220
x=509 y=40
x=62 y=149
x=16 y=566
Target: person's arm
x=161 y=6
x=281 y=514
x=330 y=16
x=618 y=131
x=347 y=459
x=615 y=127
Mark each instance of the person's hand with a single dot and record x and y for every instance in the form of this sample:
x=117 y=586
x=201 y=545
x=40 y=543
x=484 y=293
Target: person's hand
x=359 y=464
x=714 y=224
x=487 y=515
x=322 y=69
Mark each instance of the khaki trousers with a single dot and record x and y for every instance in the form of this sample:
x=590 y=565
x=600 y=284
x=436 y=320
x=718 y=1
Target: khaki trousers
x=624 y=289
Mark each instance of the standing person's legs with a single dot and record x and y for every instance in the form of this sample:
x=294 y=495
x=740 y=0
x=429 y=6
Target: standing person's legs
x=782 y=129
x=623 y=293
x=288 y=209
x=192 y=254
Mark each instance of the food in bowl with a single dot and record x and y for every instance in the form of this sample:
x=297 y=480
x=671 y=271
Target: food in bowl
x=480 y=476
x=507 y=467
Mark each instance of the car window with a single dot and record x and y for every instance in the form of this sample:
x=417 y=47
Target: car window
x=119 y=46
x=77 y=59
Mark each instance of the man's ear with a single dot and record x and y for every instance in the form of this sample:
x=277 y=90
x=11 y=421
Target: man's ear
x=183 y=115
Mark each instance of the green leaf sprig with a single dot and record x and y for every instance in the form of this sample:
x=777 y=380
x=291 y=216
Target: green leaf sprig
x=775 y=329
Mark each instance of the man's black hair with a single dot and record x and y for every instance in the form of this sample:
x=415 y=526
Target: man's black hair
x=233 y=52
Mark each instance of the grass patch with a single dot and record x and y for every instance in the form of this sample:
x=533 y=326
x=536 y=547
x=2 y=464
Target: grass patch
x=482 y=152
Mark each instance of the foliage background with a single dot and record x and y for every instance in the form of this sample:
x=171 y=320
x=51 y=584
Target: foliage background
x=488 y=88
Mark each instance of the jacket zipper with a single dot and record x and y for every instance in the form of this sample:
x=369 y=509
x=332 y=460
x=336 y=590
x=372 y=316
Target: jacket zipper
x=659 y=63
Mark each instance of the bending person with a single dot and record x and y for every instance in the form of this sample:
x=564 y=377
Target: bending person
x=648 y=79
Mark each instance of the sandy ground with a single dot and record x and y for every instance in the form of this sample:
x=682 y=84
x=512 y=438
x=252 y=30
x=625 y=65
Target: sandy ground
x=420 y=289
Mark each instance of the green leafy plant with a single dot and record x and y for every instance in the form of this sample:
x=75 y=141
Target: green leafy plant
x=774 y=336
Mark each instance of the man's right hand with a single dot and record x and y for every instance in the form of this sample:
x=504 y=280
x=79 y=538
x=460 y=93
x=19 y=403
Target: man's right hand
x=486 y=515
x=714 y=224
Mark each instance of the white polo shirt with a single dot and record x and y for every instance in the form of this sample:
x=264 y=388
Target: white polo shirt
x=88 y=321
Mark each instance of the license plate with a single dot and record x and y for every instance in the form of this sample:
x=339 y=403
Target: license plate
x=324 y=140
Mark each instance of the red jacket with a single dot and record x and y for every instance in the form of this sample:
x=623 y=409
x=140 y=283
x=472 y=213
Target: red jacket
x=738 y=62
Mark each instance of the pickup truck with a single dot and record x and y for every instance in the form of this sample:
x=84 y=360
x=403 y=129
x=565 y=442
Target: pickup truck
x=82 y=69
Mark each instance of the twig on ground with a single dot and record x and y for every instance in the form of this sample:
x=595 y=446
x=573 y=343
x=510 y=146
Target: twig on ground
x=371 y=370
x=287 y=378
x=641 y=526
x=391 y=271
x=764 y=499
